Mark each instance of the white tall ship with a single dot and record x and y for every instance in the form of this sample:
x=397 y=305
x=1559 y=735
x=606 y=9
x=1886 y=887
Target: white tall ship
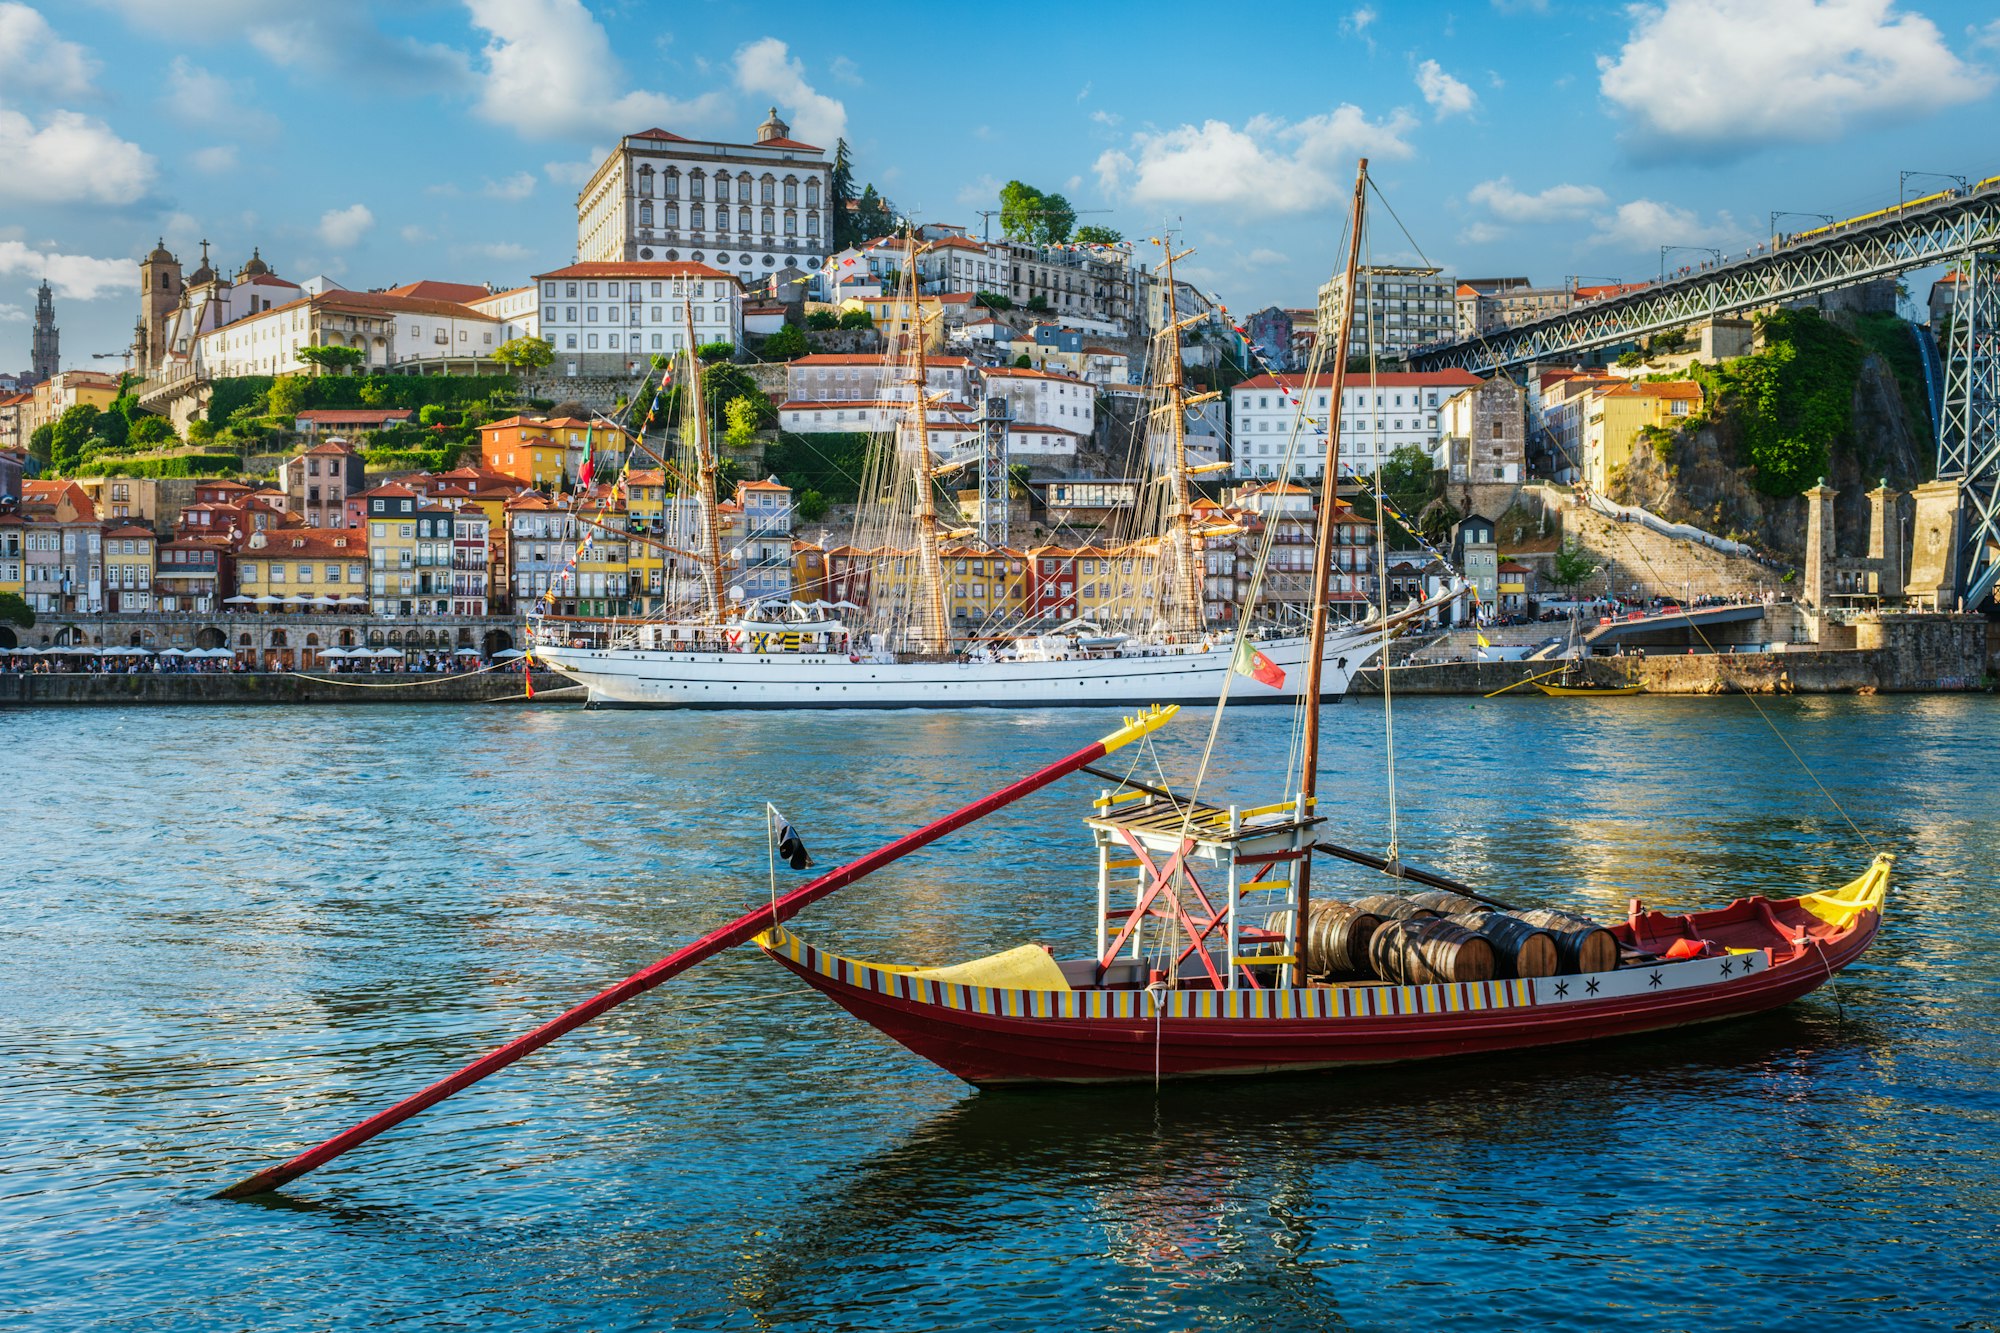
x=899 y=651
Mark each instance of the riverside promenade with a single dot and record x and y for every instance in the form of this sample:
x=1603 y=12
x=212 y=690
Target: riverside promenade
x=83 y=688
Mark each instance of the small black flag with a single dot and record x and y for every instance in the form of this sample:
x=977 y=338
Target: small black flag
x=791 y=847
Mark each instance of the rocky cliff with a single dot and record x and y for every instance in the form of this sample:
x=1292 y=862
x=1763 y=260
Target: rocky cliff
x=1870 y=422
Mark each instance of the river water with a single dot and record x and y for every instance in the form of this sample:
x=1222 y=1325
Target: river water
x=230 y=932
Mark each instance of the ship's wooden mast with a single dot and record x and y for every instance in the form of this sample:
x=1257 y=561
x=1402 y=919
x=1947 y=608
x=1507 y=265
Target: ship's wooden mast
x=935 y=637
x=1183 y=561
x=1329 y=515
x=704 y=448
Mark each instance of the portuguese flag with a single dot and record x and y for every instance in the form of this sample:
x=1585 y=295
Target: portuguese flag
x=1251 y=663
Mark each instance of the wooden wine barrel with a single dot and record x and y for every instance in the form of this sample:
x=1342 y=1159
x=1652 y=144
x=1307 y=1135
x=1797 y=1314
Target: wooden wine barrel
x=1581 y=944
x=1336 y=939
x=1519 y=949
x=1419 y=952
x=1446 y=903
x=1394 y=907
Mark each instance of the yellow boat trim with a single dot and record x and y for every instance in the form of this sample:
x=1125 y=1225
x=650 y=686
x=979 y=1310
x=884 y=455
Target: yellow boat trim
x=1258 y=886
x=1840 y=907
x=1103 y=802
x=1256 y=810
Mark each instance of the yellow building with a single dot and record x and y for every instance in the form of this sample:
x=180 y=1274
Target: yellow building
x=301 y=565
x=1615 y=415
x=538 y=451
x=603 y=580
x=1117 y=585
x=13 y=554
x=985 y=588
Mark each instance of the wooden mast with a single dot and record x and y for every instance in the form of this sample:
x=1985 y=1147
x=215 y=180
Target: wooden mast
x=1329 y=510
x=936 y=634
x=711 y=529
x=1183 y=564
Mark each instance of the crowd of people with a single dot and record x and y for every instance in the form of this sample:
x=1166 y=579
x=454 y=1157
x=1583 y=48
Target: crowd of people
x=117 y=661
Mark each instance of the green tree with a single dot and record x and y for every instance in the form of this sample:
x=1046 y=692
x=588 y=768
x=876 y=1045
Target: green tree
x=810 y=505
x=436 y=414
x=1092 y=234
x=337 y=359
x=153 y=430
x=856 y=319
x=73 y=430
x=1572 y=566
x=872 y=216
x=525 y=353
x=201 y=430
x=1038 y=303
x=741 y=431
x=787 y=344
x=992 y=301
x=823 y=320
x=15 y=611
x=289 y=395
x=41 y=442
x=1026 y=214
x=1022 y=362
x=715 y=351
x=840 y=194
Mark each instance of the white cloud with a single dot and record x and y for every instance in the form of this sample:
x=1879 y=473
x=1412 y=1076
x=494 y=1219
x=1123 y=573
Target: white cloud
x=197 y=97
x=982 y=191
x=74 y=277
x=33 y=59
x=343 y=228
x=506 y=251
x=550 y=74
x=1084 y=91
x=845 y=70
x=1554 y=204
x=1278 y=167
x=1358 y=22
x=1646 y=224
x=414 y=235
x=767 y=69
x=217 y=161
x=517 y=186
x=10 y=314
x=70 y=159
x=1103 y=117
x=1730 y=75
x=1260 y=258
x=1479 y=233
x=1447 y=96
x=577 y=172
x=327 y=41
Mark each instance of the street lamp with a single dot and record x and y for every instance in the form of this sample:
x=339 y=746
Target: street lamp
x=1666 y=250
x=1777 y=213
x=1903 y=180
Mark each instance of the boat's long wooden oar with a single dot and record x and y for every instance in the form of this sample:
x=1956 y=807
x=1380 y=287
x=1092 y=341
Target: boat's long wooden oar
x=1527 y=680
x=742 y=929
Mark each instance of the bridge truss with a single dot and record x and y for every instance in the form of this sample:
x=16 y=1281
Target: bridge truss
x=1963 y=230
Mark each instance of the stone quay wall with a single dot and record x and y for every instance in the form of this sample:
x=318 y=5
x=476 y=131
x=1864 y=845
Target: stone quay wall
x=70 y=689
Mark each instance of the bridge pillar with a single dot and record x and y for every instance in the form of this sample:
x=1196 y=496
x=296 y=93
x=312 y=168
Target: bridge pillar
x=1969 y=426
x=1821 y=546
x=1885 y=541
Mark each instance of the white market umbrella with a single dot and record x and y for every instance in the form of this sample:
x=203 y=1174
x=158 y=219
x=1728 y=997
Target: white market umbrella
x=172 y=652
x=388 y=652
x=330 y=653
x=25 y=651
x=238 y=600
x=506 y=653
x=466 y=652
x=354 y=601
x=268 y=600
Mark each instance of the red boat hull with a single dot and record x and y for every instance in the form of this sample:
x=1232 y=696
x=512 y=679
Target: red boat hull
x=991 y=1037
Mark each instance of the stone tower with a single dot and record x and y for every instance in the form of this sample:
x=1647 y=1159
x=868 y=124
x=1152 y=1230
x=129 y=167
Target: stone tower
x=160 y=289
x=1885 y=540
x=773 y=128
x=46 y=357
x=1820 y=547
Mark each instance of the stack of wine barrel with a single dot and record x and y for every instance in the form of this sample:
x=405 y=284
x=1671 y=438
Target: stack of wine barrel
x=1420 y=938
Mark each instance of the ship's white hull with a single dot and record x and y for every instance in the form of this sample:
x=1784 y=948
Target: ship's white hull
x=651 y=678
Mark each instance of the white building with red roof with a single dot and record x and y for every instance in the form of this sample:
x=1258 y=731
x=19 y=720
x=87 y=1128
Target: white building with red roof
x=606 y=317
x=751 y=210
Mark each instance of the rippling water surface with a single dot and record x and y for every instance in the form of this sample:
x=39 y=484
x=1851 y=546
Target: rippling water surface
x=227 y=933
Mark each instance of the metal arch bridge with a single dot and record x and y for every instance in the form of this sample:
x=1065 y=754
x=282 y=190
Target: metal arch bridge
x=1962 y=228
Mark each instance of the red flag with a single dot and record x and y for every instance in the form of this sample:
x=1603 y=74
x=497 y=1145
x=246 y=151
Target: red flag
x=1249 y=662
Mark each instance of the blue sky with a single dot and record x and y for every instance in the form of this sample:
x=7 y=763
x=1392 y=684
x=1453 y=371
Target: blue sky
x=381 y=143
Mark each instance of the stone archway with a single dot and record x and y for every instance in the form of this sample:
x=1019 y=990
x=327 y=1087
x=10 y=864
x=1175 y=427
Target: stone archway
x=347 y=638
x=208 y=636
x=496 y=641
x=133 y=641
x=8 y=638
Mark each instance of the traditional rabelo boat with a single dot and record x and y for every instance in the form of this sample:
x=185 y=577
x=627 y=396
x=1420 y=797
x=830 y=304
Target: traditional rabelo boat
x=1561 y=691
x=1213 y=955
